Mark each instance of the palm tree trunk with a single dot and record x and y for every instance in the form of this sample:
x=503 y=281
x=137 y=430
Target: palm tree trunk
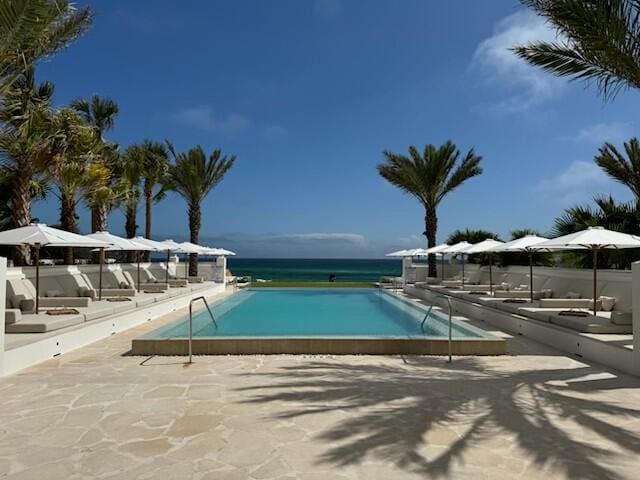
x=94 y=219
x=68 y=222
x=102 y=212
x=194 y=230
x=148 y=202
x=431 y=229
x=130 y=227
x=21 y=211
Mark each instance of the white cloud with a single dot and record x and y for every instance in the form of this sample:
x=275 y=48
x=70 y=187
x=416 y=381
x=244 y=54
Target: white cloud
x=523 y=84
x=581 y=181
x=204 y=118
x=604 y=132
x=352 y=238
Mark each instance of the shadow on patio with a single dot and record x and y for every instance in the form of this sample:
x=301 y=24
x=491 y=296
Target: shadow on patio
x=568 y=421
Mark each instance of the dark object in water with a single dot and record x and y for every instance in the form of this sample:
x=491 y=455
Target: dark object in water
x=332 y=277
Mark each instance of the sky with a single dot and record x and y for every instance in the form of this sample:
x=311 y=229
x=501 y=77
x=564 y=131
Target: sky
x=308 y=94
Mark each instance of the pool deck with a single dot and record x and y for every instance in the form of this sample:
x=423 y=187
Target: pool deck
x=100 y=413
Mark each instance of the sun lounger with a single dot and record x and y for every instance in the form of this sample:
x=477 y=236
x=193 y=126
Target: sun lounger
x=42 y=322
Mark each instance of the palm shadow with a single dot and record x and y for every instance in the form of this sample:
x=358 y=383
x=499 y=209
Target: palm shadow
x=550 y=414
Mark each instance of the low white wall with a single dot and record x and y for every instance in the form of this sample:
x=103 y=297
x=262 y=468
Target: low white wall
x=573 y=343
x=57 y=344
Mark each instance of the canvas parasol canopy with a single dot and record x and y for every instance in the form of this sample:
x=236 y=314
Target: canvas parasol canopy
x=594 y=239
x=458 y=249
x=39 y=235
x=528 y=244
x=117 y=244
x=486 y=246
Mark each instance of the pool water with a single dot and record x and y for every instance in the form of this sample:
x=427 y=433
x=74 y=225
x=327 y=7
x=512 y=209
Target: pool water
x=317 y=313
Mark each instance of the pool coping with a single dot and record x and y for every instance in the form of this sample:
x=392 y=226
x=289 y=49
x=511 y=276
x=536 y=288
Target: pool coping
x=485 y=344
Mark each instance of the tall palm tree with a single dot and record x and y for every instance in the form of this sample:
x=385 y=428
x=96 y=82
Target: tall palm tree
x=34 y=29
x=599 y=41
x=193 y=176
x=621 y=169
x=25 y=144
x=429 y=177
x=155 y=166
x=132 y=175
x=100 y=113
x=73 y=153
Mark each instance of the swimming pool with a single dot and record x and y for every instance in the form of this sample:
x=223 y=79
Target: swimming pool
x=298 y=320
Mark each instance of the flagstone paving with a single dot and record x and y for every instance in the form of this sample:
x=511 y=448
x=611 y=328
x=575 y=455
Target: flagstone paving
x=101 y=414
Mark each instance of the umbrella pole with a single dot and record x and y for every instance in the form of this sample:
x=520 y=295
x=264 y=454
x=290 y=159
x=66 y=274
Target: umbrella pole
x=100 y=278
x=37 y=278
x=186 y=269
x=531 y=275
x=138 y=258
x=490 y=274
x=595 y=279
x=442 y=263
x=166 y=275
x=463 y=271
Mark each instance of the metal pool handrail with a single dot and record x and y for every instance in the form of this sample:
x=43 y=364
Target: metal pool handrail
x=191 y=322
x=425 y=317
x=446 y=297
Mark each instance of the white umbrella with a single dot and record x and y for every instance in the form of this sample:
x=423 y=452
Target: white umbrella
x=457 y=249
x=171 y=246
x=117 y=244
x=485 y=247
x=439 y=250
x=594 y=239
x=399 y=253
x=39 y=235
x=189 y=247
x=225 y=252
x=528 y=244
x=158 y=247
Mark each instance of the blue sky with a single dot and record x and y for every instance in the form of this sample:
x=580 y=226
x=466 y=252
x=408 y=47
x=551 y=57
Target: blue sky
x=309 y=93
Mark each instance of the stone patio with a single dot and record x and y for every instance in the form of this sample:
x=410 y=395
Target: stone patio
x=99 y=413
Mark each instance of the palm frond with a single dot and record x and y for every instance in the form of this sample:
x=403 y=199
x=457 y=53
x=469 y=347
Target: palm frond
x=599 y=41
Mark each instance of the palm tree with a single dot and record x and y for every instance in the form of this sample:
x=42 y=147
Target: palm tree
x=155 y=166
x=101 y=113
x=429 y=177
x=607 y=213
x=25 y=143
x=73 y=153
x=599 y=41
x=132 y=175
x=471 y=236
x=193 y=176
x=34 y=29
x=621 y=169
x=107 y=186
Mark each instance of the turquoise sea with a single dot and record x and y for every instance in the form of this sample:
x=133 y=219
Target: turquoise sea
x=314 y=270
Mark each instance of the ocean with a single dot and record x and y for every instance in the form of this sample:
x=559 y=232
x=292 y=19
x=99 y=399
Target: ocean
x=314 y=270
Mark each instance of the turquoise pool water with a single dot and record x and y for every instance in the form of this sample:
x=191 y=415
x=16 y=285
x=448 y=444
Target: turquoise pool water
x=317 y=313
